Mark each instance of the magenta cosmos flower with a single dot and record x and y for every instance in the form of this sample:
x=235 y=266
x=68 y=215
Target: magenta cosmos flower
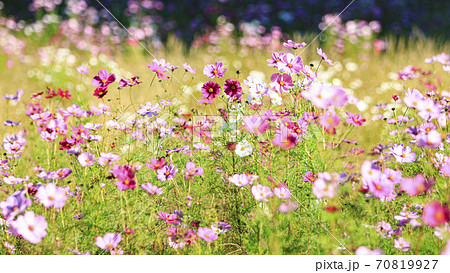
x=261 y=193
x=32 y=228
x=403 y=154
x=166 y=173
x=109 y=241
x=213 y=70
x=156 y=164
x=207 y=234
x=51 y=196
x=160 y=68
x=435 y=214
x=281 y=82
x=125 y=176
x=233 y=90
x=103 y=79
x=210 y=90
x=129 y=82
x=355 y=120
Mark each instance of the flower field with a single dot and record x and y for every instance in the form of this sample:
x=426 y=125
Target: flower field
x=246 y=141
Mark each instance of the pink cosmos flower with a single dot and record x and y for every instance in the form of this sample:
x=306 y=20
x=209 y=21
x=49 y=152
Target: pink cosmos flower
x=428 y=109
x=329 y=119
x=156 y=164
x=213 y=70
x=381 y=187
x=323 y=96
x=32 y=228
x=125 y=176
x=412 y=98
x=170 y=218
x=392 y=175
x=233 y=89
x=166 y=173
x=385 y=229
x=83 y=70
x=189 y=69
x=152 y=189
x=435 y=214
x=282 y=192
x=402 y=244
x=324 y=56
x=107 y=158
x=290 y=64
x=285 y=138
x=403 y=154
x=86 y=159
x=431 y=140
x=415 y=186
x=293 y=44
x=324 y=186
x=103 y=79
x=355 y=120
x=261 y=193
x=192 y=170
x=207 y=234
x=129 y=82
x=240 y=180
x=309 y=74
x=276 y=59
x=256 y=124
x=51 y=196
x=210 y=90
x=281 y=82
x=109 y=241
x=160 y=68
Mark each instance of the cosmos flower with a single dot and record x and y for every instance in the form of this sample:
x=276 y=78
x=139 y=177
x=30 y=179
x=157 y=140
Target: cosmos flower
x=324 y=186
x=261 y=193
x=107 y=158
x=402 y=244
x=233 y=90
x=324 y=56
x=403 y=154
x=293 y=44
x=355 y=120
x=86 y=159
x=282 y=192
x=210 y=90
x=152 y=189
x=15 y=204
x=281 y=82
x=207 y=234
x=166 y=173
x=51 y=196
x=160 y=68
x=214 y=70
x=83 y=70
x=147 y=110
x=243 y=148
x=363 y=250
x=240 y=180
x=103 y=79
x=32 y=228
x=129 y=82
x=256 y=124
x=189 y=69
x=109 y=241
x=435 y=214
x=156 y=164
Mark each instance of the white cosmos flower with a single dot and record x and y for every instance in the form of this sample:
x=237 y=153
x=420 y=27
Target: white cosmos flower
x=243 y=148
